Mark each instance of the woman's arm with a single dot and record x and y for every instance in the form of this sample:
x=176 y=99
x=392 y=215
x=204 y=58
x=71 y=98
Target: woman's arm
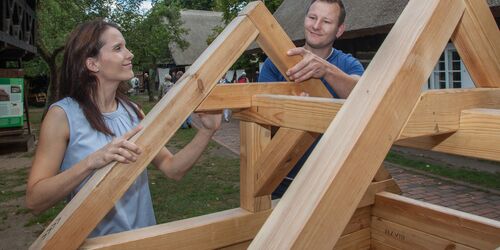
x=176 y=166
x=46 y=186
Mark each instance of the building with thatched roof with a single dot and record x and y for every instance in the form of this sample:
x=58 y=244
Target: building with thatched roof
x=199 y=25
x=367 y=24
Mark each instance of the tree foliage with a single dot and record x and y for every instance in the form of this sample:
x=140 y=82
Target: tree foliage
x=147 y=34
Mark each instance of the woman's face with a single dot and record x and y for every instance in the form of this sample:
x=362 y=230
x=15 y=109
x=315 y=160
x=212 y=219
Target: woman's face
x=114 y=62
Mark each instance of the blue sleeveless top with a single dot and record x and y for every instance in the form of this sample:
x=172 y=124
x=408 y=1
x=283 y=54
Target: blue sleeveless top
x=135 y=208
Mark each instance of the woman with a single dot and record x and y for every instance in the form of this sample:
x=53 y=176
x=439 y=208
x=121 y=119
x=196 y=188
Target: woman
x=90 y=128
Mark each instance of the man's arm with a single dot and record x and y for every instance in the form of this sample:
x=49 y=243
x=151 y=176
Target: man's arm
x=313 y=66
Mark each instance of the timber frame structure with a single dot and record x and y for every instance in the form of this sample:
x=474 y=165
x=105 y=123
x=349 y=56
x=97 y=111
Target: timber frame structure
x=342 y=197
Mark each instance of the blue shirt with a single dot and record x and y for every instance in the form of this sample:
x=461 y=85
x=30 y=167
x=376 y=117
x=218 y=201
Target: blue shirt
x=345 y=62
x=135 y=208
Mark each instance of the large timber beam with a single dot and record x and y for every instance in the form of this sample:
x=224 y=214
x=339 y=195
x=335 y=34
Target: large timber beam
x=355 y=144
x=70 y=228
x=222 y=228
x=253 y=141
x=437 y=111
x=477 y=40
x=239 y=96
x=464 y=228
x=478 y=136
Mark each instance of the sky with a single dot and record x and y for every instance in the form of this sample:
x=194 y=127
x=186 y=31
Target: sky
x=145 y=6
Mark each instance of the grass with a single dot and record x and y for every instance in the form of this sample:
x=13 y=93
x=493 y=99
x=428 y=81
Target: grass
x=479 y=178
x=9 y=180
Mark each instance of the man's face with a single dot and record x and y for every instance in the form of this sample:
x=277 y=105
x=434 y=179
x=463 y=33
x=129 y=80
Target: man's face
x=321 y=25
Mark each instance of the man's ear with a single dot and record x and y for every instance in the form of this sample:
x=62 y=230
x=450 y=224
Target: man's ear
x=340 y=31
x=92 y=64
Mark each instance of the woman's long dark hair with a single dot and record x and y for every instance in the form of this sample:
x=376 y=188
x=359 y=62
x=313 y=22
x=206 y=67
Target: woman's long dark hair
x=78 y=82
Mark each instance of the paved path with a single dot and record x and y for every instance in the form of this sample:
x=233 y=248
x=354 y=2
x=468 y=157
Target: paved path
x=413 y=184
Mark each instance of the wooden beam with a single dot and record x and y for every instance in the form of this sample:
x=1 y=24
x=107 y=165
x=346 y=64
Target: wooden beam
x=253 y=140
x=303 y=113
x=437 y=111
x=239 y=96
x=70 y=228
x=222 y=229
x=204 y=232
x=382 y=174
x=355 y=240
x=403 y=237
x=279 y=157
x=374 y=188
x=463 y=228
x=341 y=168
x=477 y=40
x=275 y=43
x=477 y=137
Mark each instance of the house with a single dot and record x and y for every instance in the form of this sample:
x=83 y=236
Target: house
x=367 y=24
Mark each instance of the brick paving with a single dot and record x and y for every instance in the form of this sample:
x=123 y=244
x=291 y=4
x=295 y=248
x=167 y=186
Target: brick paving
x=413 y=185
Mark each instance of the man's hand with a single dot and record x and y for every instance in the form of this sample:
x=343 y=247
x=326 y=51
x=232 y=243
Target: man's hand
x=311 y=66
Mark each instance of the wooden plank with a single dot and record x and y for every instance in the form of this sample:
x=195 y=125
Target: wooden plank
x=477 y=40
x=374 y=188
x=403 y=237
x=239 y=96
x=382 y=174
x=279 y=157
x=275 y=43
x=354 y=241
x=204 y=232
x=230 y=228
x=437 y=111
x=463 y=228
x=340 y=169
x=70 y=228
x=242 y=246
x=377 y=245
x=360 y=220
x=253 y=140
x=477 y=137
x=304 y=113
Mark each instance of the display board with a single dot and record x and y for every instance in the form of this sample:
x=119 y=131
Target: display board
x=11 y=102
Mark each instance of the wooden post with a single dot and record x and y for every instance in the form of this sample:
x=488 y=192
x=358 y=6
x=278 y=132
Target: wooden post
x=253 y=139
x=332 y=182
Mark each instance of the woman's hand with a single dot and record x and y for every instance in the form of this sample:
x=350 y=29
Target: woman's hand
x=120 y=149
x=211 y=121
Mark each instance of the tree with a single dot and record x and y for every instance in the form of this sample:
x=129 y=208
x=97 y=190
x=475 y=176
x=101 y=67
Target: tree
x=194 y=4
x=56 y=18
x=151 y=34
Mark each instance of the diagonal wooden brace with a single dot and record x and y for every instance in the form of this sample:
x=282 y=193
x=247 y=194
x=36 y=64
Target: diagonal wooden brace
x=355 y=144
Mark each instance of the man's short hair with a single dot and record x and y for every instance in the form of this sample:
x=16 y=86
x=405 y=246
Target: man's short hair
x=339 y=2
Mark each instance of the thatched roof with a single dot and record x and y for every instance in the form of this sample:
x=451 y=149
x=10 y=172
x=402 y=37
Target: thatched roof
x=199 y=25
x=364 y=17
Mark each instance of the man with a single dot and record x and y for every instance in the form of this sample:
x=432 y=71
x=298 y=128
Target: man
x=323 y=24
x=339 y=72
